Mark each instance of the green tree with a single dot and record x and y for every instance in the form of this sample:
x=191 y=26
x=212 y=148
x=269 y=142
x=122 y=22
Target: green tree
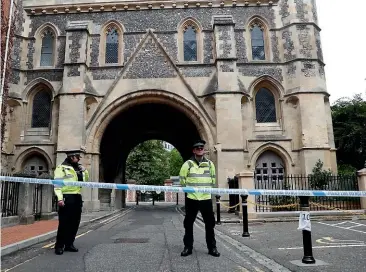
x=319 y=179
x=349 y=123
x=175 y=162
x=148 y=164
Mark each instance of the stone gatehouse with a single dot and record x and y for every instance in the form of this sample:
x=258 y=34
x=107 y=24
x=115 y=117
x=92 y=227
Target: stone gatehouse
x=247 y=76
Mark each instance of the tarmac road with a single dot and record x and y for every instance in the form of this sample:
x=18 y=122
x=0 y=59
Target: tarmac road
x=147 y=238
x=341 y=245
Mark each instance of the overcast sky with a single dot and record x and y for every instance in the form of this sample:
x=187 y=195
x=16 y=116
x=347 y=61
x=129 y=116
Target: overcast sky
x=343 y=24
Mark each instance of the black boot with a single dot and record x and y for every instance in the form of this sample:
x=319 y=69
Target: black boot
x=187 y=251
x=71 y=248
x=59 y=250
x=214 y=252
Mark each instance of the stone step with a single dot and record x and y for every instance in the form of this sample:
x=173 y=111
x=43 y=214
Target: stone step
x=105 y=207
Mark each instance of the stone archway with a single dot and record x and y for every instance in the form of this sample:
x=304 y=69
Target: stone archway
x=136 y=118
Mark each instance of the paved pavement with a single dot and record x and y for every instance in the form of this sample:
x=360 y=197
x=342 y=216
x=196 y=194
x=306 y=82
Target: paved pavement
x=15 y=234
x=20 y=236
x=340 y=244
x=146 y=238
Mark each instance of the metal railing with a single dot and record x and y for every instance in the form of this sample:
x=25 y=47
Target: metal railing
x=9 y=198
x=37 y=201
x=10 y=195
x=310 y=182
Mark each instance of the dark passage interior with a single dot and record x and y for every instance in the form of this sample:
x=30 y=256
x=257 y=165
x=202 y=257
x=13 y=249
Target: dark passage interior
x=138 y=124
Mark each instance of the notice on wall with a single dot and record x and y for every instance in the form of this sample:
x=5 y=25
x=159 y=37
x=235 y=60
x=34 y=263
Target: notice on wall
x=304 y=221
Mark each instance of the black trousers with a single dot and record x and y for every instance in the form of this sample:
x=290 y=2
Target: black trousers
x=69 y=217
x=206 y=209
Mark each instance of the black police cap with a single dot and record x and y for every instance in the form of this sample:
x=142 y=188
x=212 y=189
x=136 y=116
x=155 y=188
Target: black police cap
x=74 y=152
x=198 y=143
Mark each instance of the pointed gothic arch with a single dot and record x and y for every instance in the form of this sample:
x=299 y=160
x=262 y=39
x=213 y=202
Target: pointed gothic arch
x=111 y=44
x=39 y=102
x=258 y=37
x=46 y=46
x=190 y=41
x=33 y=155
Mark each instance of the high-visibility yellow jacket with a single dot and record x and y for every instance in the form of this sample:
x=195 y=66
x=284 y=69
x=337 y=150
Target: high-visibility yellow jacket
x=201 y=175
x=67 y=173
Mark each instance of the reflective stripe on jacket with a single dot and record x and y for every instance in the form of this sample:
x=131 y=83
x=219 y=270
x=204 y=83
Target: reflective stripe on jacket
x=68 y=173
x=202 y=175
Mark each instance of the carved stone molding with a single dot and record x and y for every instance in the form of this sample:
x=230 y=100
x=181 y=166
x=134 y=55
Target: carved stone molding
x=42 y=7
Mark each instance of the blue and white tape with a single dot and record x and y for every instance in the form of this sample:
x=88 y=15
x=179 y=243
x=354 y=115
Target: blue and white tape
x=217 y=191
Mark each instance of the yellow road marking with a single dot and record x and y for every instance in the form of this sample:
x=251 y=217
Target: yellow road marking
x=52 y=245
x=101 y=222
x=19 y=264
x=47 y=246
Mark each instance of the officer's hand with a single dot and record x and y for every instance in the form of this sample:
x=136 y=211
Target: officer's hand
x=61 y=203
x=82 y=168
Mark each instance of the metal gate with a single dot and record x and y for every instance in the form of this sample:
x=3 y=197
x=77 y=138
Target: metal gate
x=9 y=198
x=37 y=201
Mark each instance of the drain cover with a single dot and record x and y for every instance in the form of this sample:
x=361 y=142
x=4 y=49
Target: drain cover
x=132 y=240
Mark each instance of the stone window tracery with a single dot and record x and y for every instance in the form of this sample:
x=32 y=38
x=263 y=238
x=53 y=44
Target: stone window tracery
x=265 y=106
x=41 y=110
x=258 y=40
x=112 y=44
x=48 y=48
x=190 y=41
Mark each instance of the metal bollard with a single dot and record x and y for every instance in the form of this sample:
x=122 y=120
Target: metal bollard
x=218 y=222
x=153 y=197
x=177 y=197
x=137 y=197
x=306 y=235
x=244 y=199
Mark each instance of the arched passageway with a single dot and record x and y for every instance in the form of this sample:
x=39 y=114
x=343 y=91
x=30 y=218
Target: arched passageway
x=135 y=125
x=138 y=124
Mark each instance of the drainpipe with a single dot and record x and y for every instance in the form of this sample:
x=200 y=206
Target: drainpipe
x=6 y=54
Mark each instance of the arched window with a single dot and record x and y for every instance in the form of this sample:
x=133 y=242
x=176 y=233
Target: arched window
x=41 y=110
x=112 y=44
x=47 y=50
x=258 y=40
x=265 y=106
x=190 y=43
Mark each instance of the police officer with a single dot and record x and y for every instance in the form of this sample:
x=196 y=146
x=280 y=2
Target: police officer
x=199 y=172
x=69 y=201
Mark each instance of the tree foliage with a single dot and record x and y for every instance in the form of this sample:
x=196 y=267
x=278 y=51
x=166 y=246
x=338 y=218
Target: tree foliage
x=150 y=164
x=349 y=124
x=175 y=162
x=147 y=163
x=319 y=178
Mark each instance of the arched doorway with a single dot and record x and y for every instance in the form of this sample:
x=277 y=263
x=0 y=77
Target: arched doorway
x=36 y=165
x=270 y=175
x=269 y=166
x=135 y=125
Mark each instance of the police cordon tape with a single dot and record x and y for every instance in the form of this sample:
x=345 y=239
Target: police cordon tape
x=217 y=191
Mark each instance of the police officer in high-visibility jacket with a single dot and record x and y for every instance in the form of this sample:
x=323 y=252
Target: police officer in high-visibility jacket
x=69 y=201
x=199 y=172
